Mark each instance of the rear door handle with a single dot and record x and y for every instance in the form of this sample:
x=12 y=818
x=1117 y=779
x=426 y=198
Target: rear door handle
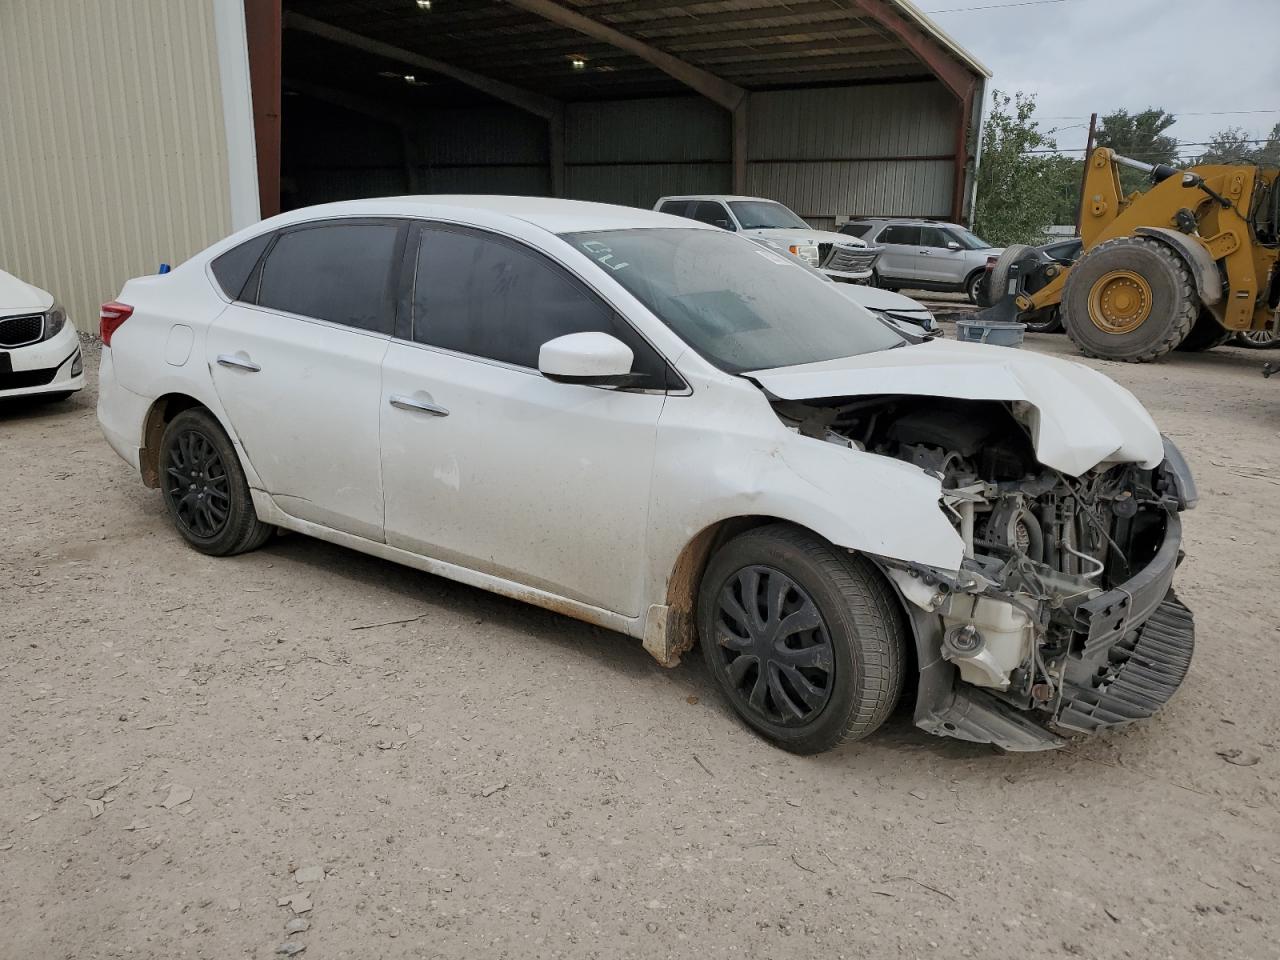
x=419 y=406
x=239 y=362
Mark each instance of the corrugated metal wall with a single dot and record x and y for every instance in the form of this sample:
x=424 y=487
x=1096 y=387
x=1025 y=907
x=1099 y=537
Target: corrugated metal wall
x=832 y=153
x=634 y=151
x=112 y=151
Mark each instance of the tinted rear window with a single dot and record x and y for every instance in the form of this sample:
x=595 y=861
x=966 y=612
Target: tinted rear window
x=900 y=233
x=232 y=268
x=339 y=272
x=856 y=229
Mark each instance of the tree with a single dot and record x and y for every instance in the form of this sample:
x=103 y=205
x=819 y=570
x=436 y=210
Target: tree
x=1235 y=145
x=1020 y=191
x=1139 y=136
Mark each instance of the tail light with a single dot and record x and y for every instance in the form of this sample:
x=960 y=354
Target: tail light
x=109 y=319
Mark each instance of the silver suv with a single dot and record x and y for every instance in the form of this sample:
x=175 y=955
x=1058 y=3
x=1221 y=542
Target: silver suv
x=924 y=254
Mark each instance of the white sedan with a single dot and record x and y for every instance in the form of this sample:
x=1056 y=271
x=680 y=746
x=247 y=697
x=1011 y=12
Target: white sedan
x=39 y=350
x=662 y=428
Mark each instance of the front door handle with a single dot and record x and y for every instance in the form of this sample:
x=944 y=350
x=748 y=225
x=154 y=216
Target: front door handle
x=419 y=406
x=239 y=362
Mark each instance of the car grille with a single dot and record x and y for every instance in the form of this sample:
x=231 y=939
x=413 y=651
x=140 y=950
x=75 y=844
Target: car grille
x=20 y=331
x=1146 y=667
x=847 y=259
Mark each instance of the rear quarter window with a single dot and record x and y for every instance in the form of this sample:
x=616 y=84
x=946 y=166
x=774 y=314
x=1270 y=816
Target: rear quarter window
x=231 y=270
x=856 y=229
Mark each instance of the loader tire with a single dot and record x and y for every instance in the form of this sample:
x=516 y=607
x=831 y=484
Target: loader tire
x=1130 y=299
x=1206 y=333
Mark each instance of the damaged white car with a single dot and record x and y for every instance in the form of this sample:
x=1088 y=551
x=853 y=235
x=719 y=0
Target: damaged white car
x=662 y=428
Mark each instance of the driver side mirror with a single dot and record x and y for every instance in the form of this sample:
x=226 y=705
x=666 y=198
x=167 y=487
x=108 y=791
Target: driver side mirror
x=594 y=359
x=952 y=245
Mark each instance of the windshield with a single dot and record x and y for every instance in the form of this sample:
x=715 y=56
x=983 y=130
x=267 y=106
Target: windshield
x=967 y=239
x=742 y=307
x=765 y=215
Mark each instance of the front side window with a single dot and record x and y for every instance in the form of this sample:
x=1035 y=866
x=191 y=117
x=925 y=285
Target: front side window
x=765 y=215
x=935 y=237
x=340 y=272
x=709 y=211
x=739 y=305
x=487 y=296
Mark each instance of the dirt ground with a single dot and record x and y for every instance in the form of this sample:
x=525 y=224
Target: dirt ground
x=484 y=779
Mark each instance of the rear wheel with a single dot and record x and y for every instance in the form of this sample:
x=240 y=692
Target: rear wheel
x=1206 y=333
x=805 y=641
x=1130 y=299
x=205 y=490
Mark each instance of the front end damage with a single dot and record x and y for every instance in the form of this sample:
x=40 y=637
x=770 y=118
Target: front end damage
x=1061 y=619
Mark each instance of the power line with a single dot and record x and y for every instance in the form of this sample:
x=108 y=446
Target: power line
x=1206 y=113
x=998 y=6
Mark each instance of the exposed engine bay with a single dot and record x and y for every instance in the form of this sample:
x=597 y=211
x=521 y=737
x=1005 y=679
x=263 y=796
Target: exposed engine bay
x=1043 y=616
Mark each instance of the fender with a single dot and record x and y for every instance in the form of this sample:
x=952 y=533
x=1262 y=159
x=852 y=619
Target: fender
x=1198 y=259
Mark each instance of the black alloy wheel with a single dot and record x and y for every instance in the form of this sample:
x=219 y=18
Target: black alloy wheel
x=205 y=489
x=774 y=646
x=196 y=484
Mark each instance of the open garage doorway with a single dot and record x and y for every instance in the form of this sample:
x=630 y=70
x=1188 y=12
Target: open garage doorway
x=837 y=108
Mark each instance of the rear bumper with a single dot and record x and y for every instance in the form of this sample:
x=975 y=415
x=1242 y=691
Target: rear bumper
x=121 y=412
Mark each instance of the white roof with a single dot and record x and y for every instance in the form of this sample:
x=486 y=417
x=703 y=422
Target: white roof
x=555 y=216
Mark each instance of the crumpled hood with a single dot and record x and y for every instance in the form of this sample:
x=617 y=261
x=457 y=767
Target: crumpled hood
x=1078 y=417
x=796 y=235
x=874 y=298
x=19 y=297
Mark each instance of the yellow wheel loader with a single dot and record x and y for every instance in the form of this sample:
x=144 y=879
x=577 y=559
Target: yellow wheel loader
x=1182 y=265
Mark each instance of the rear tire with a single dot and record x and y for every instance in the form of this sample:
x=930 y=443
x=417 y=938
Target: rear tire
x=837 y=673
x=1206 y=333
x=1130 y=299
x=204 y=487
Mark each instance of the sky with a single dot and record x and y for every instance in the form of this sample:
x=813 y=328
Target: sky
x=1080 y=56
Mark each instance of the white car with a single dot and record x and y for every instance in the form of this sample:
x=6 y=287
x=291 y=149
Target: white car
x=665 y=429
x=39 y=350
x=906 y=315
x=839 y=256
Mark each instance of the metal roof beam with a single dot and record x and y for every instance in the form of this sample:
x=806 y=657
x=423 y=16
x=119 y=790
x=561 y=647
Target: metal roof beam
x=396 y=116
x=954 y=76
x=516 y=96
x=727 y=95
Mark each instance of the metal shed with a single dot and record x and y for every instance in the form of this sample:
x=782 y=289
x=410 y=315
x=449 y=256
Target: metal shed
x=834 y=107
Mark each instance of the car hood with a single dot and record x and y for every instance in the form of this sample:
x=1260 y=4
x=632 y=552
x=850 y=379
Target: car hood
x=873 y=298
x=19 y=297
x=1078 y=418
x=788 y=235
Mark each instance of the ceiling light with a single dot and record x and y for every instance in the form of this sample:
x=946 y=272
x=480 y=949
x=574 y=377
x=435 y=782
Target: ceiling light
x=410 y=78
x=424 y=4
x=577 y=62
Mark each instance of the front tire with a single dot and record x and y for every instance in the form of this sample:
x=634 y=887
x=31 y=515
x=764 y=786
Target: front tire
x=1130 y=299
x=805 y=641
x=204 y=487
